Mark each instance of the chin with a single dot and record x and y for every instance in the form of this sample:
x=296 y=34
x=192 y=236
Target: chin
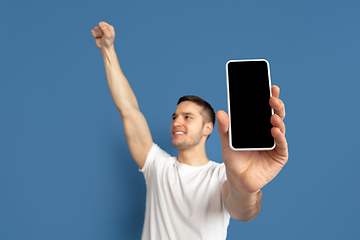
x=178 y=145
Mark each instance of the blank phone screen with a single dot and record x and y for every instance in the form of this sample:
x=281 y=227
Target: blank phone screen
x=250 y=111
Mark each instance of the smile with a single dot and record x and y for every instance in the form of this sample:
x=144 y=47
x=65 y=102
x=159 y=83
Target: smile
x=180 y=133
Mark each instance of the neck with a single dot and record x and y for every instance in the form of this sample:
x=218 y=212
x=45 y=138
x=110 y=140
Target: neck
x=195 y=156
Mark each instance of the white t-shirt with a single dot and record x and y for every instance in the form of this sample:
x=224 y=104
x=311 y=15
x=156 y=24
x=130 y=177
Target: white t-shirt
x=183 y=202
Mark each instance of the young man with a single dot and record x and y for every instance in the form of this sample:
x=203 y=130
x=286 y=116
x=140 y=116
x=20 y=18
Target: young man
x=189 y=196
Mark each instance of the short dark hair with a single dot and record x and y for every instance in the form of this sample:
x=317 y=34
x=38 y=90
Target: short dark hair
x=209 y=111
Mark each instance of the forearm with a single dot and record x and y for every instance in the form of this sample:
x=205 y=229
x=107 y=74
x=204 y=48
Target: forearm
x=242 y=205
x=121 y=92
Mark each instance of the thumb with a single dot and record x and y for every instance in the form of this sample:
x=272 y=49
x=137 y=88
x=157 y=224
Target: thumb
x=223 y=128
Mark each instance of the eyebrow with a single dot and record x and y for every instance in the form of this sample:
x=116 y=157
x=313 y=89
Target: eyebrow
x=184 y=113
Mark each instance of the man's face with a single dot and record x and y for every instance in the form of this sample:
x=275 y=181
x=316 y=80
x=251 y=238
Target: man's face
x=187 y=128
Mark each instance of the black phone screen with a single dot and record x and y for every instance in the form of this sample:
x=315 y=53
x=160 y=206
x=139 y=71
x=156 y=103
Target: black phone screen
x=249 y=108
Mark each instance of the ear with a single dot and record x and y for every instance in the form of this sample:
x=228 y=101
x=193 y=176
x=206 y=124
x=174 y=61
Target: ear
x=208 y=128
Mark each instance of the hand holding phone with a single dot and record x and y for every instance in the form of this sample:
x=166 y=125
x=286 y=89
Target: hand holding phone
x=246 y=129
x=249 y=91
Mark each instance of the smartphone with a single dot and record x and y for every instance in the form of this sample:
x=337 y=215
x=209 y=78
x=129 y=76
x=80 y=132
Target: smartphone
x=249 y=92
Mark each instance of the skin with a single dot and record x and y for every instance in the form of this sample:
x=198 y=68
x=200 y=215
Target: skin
x=188 y=120
x=247 y=172
x=136 y=129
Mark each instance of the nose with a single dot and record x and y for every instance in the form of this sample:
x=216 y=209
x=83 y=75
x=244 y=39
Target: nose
x=177 y=121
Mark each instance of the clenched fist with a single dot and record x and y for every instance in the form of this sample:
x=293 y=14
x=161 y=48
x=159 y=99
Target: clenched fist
x=104 y=35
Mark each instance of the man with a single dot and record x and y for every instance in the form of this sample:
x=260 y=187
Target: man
x=189 y=196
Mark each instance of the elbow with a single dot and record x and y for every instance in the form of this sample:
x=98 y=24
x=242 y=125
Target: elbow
x=128 y=111
x=245 y=217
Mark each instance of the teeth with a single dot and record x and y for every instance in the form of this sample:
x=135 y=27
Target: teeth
x=178 y=133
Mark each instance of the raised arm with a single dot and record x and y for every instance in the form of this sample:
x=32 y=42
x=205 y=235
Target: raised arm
x=135 y=126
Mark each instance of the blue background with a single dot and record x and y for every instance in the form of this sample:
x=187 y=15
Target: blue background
x=65 y=170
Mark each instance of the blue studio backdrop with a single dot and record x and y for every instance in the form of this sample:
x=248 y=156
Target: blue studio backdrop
x=65 y=169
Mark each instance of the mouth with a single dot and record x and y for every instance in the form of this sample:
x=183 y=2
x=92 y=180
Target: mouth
x=177 y=133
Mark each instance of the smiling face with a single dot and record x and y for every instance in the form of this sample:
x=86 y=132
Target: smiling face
x=188 y=128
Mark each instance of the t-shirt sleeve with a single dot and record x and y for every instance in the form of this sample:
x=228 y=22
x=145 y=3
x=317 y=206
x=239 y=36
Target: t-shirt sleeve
x=222 y=174
x=152 y=159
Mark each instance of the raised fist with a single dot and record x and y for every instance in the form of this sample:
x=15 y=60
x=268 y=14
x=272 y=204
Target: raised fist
x=104 y=35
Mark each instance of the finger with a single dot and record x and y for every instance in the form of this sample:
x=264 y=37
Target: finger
x=96 y=32
x=223 y=127
x=281 y=144
x=275 y=91
x=278 y=106
x=106 y=28
x=278 y=123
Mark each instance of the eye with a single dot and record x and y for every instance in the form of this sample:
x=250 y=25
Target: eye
x=188 y=117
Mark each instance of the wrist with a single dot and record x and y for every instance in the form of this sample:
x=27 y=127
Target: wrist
x=243 y=205
x=242 y=184
x=108 y=54
x=107 y=49
x=242 y=193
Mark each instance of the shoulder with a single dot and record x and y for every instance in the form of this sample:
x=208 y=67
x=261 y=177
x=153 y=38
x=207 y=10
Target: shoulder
x=155 y=157
x=217 y=166
x=157 y=152
x=219 y=170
